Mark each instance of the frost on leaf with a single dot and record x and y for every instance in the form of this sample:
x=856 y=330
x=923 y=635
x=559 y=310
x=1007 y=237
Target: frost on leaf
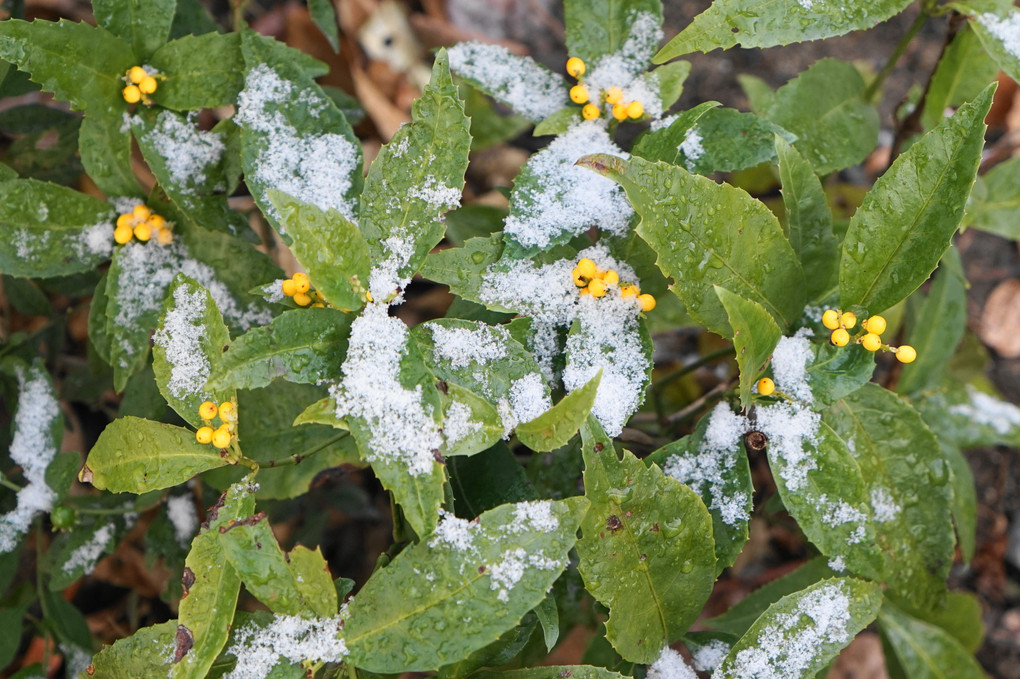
x=181 y=338
x=313 y=167
x=85 y=556
x=670 y=665
x=189 y=153
x=287 y=639
x=987 y=411
x=32 y=449
x=553 y=199
x=1005 y=29
x=519 y=82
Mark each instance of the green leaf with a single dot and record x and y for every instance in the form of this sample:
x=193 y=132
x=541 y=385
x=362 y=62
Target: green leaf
x=556 y=426
x=287 y=585
x=808 y=220
x=671 y=79
x=556 y=124
x=964 y=502
x=300 y=345
x=724 y=140
x=962 y=72
x=825 y=108
x=202 y=71
x=908 y=485
x=927 y=650
x=994 y=21
x=418 y=176
x=293 y=137
x=329 y=247
x=998 y=210
x=211 y=587
x=76 y=552
x=739 y=617
x=646 y=551
x=834 y=372
x=462 y=268
x=324 y=16
x=134 y=656
x=473 y=221
x=78 y=63
x=599 y=28
x=490 y=127
x=26 y=297
x=50 y=230
x=961 y=616
x=798 y=635
x=755 y=335
x=192 y=18
x=471 y=423
x=552 y=672
x=767 y=23
x=905 y=223
x=105 y=146
x=489 y=573
x=486 y=480
x=719 y=472
x=937 y=328
x=143 y=24
x=691 y=222
x=969 y=417
x=134 y=455
x=187 y=348
x=664 y=143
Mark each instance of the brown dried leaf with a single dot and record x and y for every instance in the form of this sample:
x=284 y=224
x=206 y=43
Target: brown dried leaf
x=1000 y=322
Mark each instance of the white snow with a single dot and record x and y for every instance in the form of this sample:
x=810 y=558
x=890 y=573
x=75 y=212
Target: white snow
x=708 y=656
x=670 y=665
x=534 y=516
x=314 y=168
x=287 y=638
x=95 y=241
x=790 y=360
x=32 y=449
x=453 y=532
x=457 y=423
x=187 y=151
x=691 y=148
x=180 y=509
x=883 y=506
x=86 y=555
x=462 y=346
x=987 y=411
x=626 y=68
x=1005 y=29
x=507 y=572
x=528 y=88
x=181 y=339
x=554 y=196
x=529 y=398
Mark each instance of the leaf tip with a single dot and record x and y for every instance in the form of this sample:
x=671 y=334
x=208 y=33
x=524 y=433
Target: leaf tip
x=602 y=163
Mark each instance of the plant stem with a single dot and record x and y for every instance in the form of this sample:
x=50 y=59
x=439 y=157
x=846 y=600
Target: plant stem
x=6 y=483
x=237 y=8
x=298 y=457
x=901 y=47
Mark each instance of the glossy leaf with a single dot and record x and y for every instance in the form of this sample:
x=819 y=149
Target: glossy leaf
x=50 y=230
x=962 y=72
x=601 y=27
x=393 y=620
x=193 y=83
x=300 y=345
x=664 y=142
x=556 y=426
x=724 y=140
x=689 y=221
x=905 y=223
x=998 y=209
x=105 y=147
x=462 y=268
x=471 y=423
x=767 y=23
x=78 y=63
x=808 y=220
x=929 y=651
x=798 y=635
x=994 y=21
x=824 y=108
x=834 y=372
x=486 y=480
x=552 y=672
x=211 y=587
x=188 y=345
x=964 y=502
x=755 y=335
x=969 y=417
x=647 y=551
x=143 y=24
x=908 y=486
x=133 y=656
x=134 y=455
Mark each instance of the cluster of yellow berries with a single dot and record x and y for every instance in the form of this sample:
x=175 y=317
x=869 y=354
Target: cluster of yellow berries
x=142 y=223
x=140 y=83
x=595 y=282
x=226 y=432
x=297 y=288
x=579 y=94
x=871 y=339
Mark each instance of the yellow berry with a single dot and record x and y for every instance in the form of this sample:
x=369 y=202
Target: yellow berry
x=131 y=94
x=629 y=291
x=584 y=291
x=839 y=337
x=148 y=85
x=143 y=232
x=301 y=299
x=766 y=386
x=227 y=412
x=614 y=95
x=122 y=234
x=830 y=319
x=611 y=277
x=301 y=282
x=141 y=212
x=575 y=67
x=289 y=288
x=635 y=109
x=318 y=305
x=871 y=342
x=126 y=219
x=136 y=74
x=597 y=287
x=590 y=112
x=875 y=324
x=207 y=410
x=156 y=222
x=584 y=272
x=164 y=236
x=647 y=302
x=221 y=437
x=204 y=434
x=906 y=354
x=579 y=94
x=848 y=320
x=620 y=111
